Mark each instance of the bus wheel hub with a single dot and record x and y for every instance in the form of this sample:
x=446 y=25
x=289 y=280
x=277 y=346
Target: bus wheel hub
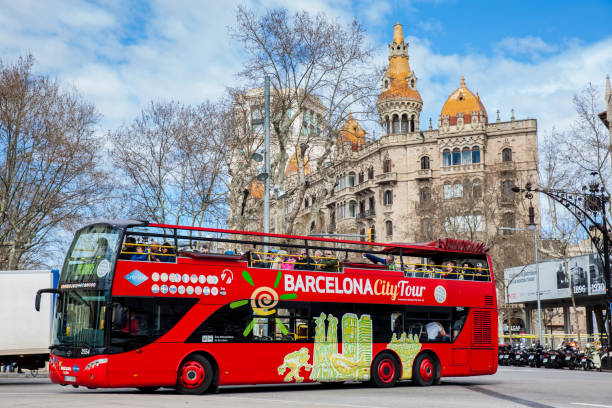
x=192 y=375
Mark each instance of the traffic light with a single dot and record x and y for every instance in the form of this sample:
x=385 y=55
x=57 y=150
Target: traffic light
x=371 y=235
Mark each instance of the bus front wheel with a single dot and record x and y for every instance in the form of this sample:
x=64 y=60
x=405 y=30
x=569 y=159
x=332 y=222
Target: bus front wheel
x=424 y=370
x=195 y=375
x=385 y=370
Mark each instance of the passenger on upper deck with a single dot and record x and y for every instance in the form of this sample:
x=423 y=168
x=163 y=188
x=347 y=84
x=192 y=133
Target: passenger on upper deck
x=141 y=254
x=304 y=262
x=330 y=262
x=451 y=271
x=128 y=247
x=388 y=261
x=483 y=273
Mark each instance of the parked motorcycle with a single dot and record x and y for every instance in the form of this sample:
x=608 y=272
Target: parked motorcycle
x=593 y=354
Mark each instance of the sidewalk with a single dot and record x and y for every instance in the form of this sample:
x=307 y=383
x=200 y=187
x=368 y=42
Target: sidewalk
x=25 y=374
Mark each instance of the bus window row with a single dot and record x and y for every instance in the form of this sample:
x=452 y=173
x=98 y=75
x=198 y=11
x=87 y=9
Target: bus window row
x=296 y=322
x=296 y=257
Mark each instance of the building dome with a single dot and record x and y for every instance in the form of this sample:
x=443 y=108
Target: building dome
x=256 y=189
x=465 y=102
x=292 y=165
x=353 y=133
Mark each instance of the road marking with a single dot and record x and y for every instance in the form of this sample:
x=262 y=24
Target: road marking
x=521 y=401
x=591 y=405
x=326 y=404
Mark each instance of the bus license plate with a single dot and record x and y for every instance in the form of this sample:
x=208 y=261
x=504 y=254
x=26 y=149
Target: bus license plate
x=531 y=357
x=545 y=360
x=69 y=378
x=553 y=357
x=567 y=358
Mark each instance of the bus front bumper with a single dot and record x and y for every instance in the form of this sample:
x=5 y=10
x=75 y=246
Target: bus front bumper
x=88 y=371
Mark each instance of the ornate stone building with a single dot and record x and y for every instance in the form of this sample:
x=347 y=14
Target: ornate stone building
x=412 y=184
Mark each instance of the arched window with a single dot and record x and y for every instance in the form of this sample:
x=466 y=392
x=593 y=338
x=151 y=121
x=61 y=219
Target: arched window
x=458 y=190
x=475 y=154
x=361 y=177
x=312 y=226
x=388 y=197
x=426 y=228
x=373 y=230
x=341 y=182
x=404 y=123
x=412 y=121
x=306 y=202
x=425 y=195
x=507 y=186
x=370 y=173
x=361 y=208
x=466 y=156
x=508 y=222
x=507 y=155
x=387 y=125
x=372 y=202
x=476 y=189
x=395 y=124
x=446 y=157
x=456 y=156
x=386 y=84
x=387 y=165
x=389 y=228
x=352 y=209
x=351 y=179
x=425 y=163
x=412 y=83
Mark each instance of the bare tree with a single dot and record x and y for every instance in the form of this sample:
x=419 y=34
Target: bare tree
x=48 y=173
x=171 y=163
x=312 y=61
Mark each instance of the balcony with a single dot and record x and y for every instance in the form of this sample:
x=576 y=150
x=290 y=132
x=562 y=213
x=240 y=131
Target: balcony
x=507 y=166
x=424 y=174
x=367 y=215
x=386 y=178
x=364 y=187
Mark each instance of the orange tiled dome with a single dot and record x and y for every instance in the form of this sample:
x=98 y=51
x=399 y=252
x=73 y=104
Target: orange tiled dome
x=463 y=101
x=352 y=132
x=292 y=165
x=256 y=189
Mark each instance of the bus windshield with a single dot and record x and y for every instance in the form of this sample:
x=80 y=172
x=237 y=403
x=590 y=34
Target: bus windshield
x=79 y=319
x=90 y=259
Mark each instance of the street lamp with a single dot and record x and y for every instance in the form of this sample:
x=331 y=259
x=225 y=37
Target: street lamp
x=585 y=207
x=532 y=227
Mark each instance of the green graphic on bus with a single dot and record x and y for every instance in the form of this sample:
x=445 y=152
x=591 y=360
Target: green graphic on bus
x=353 y=364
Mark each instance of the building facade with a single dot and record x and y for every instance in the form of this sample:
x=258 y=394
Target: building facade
x=412 y=184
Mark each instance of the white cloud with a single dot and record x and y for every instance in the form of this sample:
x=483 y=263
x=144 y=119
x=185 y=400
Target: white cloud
x=180 y=50
x=532 y=47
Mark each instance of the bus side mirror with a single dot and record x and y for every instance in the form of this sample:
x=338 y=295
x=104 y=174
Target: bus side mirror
x=40 y=292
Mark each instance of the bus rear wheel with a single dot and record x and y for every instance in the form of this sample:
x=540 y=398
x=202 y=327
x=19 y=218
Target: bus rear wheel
x=424 y=370
x=385 y=370
x=195 y=375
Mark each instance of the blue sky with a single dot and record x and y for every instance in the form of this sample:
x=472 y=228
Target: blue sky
x=528 y=56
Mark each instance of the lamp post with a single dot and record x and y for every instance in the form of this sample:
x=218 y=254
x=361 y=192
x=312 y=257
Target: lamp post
x=532 y=227
x=585 y=207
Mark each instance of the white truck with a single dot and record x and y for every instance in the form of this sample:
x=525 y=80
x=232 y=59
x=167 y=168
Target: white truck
x=25 y=334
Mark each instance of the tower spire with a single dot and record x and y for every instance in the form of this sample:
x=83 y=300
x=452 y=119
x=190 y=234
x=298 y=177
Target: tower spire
x=398 y=35
x=608 y=89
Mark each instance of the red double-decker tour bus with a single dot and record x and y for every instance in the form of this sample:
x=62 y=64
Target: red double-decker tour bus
x=147 y=305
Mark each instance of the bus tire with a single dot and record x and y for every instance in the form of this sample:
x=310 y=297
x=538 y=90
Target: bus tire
x=385 y=370
x=195 y=375
x=424 y=370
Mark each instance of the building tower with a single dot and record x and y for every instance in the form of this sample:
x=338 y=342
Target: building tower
x=399 y=104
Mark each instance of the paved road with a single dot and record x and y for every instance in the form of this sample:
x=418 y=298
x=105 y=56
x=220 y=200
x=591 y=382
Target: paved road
x=510 y=387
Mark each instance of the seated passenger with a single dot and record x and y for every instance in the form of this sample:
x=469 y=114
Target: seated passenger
x=318 y=255
x=435 y=331
x=155 y=252
x=288 y=261
x=482 y=272
x=329 y=262
x=450 y=272
x=140 y=254
x=430 y=270
x=166 y=253
x=127 y=248
x=467 y=271
x=388 y=261
x=458 y=325
x=304 y=262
